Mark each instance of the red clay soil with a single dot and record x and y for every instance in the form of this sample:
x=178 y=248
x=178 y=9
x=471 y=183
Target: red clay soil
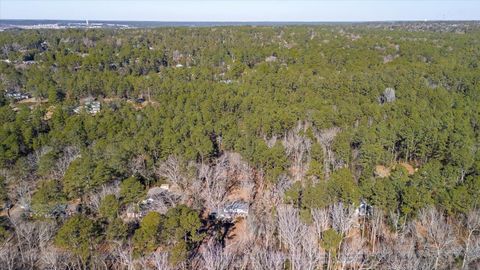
x=239 y=194
x=383 y=171
x=238 y=232
x=408 y=167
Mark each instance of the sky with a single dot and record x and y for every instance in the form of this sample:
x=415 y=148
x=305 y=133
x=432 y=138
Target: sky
x=242 y=10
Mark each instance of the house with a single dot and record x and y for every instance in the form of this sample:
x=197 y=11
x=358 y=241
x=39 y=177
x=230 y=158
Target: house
x=154 y=192
x=90 y=106
x=140 y=100
x=58 y=211
x=165 y=187
x=73 y=208
x=64 y=210
x=387 y=96
x=364 y=209
x=232 y=210
x=93 y=107
x=29 y=62
x=17 y=96
x=132 y=212
x=270 y=59
x=226 y=81
x=158 y=199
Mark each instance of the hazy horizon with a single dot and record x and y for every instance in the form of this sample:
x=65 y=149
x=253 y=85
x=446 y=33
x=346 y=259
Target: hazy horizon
x=292 y=22
x=242 y=11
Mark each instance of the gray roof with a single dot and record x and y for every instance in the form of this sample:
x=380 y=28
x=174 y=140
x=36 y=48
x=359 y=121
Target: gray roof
x=235 y=206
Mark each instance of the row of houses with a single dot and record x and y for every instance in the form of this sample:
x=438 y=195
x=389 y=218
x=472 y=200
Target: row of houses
x=163 y=197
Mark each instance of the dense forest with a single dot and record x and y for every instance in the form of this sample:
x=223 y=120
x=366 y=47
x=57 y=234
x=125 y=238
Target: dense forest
x=287 y=147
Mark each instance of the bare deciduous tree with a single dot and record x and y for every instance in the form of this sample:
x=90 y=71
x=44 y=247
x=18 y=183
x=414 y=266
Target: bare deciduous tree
x=216 y=183
x=161 y=202
x=27 y=241
x=31 y=239
x=472 y=226
x=351 y=254
x=160 y=261
x=325 y=138
x=440 y=238
x=125 y=256
x=216 y=258
x=55 y=259
x=311 y=255
x=376 y=225
x=24 y=195
x=9 y=255
x=275 y=195
x=261 y=225
x=69 y=154
x=240 y=169
x=398 y=254
x=292 y=232
x=99 y=261
x=95 y=198
x=138 y=165
x=297 y=148
x=342 y=217
x=172 y=170
x=321 y=221
x=267 y=259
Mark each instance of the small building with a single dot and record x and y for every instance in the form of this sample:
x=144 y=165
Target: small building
x=232 y=210
x=270 y=59
x=92 y=107
x=155 y=191
x=226 y=81
x=64 y=210
x=165 y=187
x=16 y=95
x=132 y=212
x=29 y=62
x=140 y=100
x=364 y=209
x=58 y=211
x=387 y=96
x=158 y=199
x=73 y=209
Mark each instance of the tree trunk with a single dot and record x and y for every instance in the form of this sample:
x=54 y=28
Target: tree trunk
x=467 y=247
